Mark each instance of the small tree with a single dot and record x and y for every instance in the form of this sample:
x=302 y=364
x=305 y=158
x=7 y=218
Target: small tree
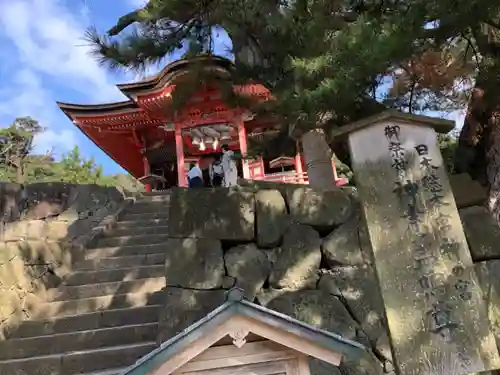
x=16 y=144
x=75 y=169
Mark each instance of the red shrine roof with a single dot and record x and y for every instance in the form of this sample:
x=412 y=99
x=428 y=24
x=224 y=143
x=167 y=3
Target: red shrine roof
x=124 y=129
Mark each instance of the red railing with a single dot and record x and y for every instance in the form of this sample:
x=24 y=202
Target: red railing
x=287 y=178
x=291 y=178
x=294 y=178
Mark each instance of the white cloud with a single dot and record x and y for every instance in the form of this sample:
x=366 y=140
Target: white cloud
x=27 y=97
x=48 y=39
x=55 y=142
x=45 y=47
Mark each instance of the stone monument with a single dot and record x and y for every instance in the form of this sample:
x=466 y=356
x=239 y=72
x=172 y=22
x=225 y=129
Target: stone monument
x=436 y=315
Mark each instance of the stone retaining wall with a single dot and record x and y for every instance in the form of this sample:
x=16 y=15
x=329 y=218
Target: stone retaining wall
x=53 y=210
x=298 y=251
x=483 y=236
x=43 y=230
x=295 y=250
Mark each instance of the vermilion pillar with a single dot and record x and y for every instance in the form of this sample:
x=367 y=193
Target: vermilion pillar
x=242 y=137
x=147 y=171
x=298 y=167
x=179 y=151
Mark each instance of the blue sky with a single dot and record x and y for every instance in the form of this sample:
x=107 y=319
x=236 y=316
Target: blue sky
x=44 y=60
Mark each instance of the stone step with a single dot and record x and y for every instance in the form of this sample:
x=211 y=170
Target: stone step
x=140 y=230
x=116 y=274
x=145 y=216
x=147 y=285
x=120 y=262
x=108 y=372
x=127 y=224
x=78 y=362
x=74 y=341
x=87 y=305
x=148 y=207
x=84 y=322
x=117 y=371
x=154 y=195
x=142 y=239
x=116 y=251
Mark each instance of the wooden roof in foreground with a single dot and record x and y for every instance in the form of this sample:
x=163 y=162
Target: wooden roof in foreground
x=237 y=318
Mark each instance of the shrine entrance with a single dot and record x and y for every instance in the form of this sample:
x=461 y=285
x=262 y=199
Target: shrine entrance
x=152 y=139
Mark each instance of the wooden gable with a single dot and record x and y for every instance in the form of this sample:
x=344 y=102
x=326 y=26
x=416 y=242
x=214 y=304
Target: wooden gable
x=261 y=342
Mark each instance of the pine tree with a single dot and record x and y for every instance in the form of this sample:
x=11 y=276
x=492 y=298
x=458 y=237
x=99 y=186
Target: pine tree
x=324 y=60
x=16 y=144
x=76 y=169
x=302 y=51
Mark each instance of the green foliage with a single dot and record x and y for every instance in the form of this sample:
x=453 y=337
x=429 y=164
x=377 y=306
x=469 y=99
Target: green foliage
x=75 y=169
x=18 y=164
x=16 y=143
x=318 y=65
x=324 y=61
x=317 y=56
x=331 y=62
x=343 y=170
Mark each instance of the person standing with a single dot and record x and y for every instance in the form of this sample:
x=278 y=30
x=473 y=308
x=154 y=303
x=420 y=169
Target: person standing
x=216 y=172
x=195 y=176
x=229 y=167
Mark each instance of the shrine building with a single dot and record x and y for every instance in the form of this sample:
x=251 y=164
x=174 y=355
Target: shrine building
x=153 y=143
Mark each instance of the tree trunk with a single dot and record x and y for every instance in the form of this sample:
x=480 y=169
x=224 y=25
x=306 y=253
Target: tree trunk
x=19 y=171
x=478 y=151
x=318 y=156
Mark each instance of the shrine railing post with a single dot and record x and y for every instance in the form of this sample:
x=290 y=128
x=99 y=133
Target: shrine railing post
x=436 y=315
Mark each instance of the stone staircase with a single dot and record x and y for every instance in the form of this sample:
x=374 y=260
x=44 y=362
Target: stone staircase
x=105 y=314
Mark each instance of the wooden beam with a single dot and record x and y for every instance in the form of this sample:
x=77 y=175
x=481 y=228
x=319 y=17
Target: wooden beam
x=231 y=356
x=288 y=339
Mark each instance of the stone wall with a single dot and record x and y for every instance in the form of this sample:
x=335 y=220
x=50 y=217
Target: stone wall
x=43 y=229
x=53 y=210
x=483 y=236
x=300 y=252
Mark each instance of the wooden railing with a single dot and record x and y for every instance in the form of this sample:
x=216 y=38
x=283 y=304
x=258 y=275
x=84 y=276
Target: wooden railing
x=294 y=178
x=291 y=178
x=286 y=177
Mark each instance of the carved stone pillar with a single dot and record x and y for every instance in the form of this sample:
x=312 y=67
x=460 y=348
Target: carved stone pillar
x=436 y=315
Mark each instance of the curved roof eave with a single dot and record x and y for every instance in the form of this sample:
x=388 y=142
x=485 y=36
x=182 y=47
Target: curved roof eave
x=82 y=109
x=63 y=107
x=159 y=79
